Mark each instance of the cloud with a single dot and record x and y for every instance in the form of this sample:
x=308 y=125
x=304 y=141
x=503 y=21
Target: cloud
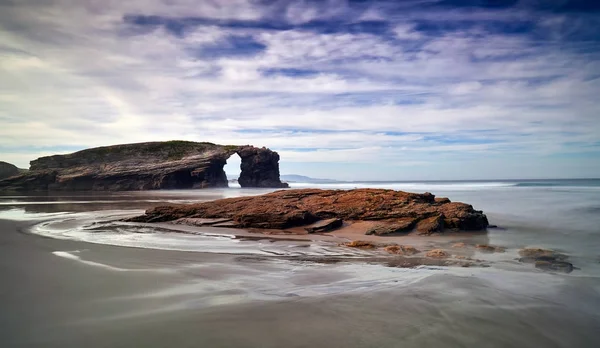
x=406 y=32
x=384 y=83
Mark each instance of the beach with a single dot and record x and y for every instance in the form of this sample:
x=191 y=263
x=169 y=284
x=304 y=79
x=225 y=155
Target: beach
x=92 y=287
x=300 y=174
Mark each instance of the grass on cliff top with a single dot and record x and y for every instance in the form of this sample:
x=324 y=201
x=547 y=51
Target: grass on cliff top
x=172 y=150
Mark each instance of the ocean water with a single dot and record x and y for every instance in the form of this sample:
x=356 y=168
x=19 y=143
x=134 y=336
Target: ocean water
x=558 y=214
x=218 y=282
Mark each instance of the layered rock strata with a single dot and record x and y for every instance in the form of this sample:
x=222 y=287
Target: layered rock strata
x=393 y=211
x=148 y=166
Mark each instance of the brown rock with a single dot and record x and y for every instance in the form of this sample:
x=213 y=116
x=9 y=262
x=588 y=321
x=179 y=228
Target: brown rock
x=458 y=217
x=431 y=225
x=442 y=200
x=536 y=254
x=400 y=226
x=490 y=248
x=437 y=253
x=459 y=245
x=401 y=249
x=325 y=226
x=361 y=244
x=292 y=208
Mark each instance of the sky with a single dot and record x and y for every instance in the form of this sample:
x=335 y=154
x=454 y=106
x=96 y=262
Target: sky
x=350 y=90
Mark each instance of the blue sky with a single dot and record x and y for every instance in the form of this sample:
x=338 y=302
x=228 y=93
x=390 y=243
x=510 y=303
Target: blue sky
x=377 y=90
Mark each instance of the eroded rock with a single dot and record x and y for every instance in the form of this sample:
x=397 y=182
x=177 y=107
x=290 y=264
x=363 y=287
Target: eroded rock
x=431 y=225
x=401 y=249
x=361 y=244
x=554 y=266
x=437 y=253
x=490 y=248
x=442 y=200
x=295 y=208
x=536 y=254
x=546 y=260
x=147 y=166
x=400 y=226
x=325 y=226
x=260 y=168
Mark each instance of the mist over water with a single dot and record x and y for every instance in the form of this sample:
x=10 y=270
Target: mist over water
x=218 y=282
x=557 y=214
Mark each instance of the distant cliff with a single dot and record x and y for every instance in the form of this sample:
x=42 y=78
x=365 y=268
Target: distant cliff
x=7 y=170
x=148 y=166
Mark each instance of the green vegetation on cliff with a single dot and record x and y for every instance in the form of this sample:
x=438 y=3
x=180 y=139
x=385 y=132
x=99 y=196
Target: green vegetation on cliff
x=173 y=150
x=7 y=170
x=147 y=166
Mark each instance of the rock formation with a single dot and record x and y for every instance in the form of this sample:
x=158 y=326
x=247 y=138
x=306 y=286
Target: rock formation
x=405 y=212
x=260 y=168
x=546 y=260
x=147 y=166
x=7 y=170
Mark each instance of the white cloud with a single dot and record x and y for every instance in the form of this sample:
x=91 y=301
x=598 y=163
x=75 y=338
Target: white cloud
x=406 y=32
x=318 y=96
x=465 y=88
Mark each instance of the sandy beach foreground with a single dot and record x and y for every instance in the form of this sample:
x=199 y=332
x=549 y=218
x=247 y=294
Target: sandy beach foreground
x=61 y=293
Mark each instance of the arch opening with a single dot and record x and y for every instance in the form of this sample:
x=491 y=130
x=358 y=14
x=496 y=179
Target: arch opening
x=233 y=170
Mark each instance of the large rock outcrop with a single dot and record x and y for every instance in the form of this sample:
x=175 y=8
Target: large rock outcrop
x=260 y=168
x=7 y=170
x=404 y=211
x=147 y=166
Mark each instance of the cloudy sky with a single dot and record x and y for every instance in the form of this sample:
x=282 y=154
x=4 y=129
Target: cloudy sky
x=380 y=90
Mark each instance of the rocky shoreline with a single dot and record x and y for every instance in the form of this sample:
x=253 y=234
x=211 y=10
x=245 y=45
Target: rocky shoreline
x=147 y=166
x=390 y=224
x=382 y=212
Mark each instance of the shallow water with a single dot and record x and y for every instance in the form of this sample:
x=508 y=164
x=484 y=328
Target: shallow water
x=561 y=215
x=217 y=290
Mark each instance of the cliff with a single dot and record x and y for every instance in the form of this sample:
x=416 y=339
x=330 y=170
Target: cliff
x=7 y=170
x=389 y=211
x=147 y=166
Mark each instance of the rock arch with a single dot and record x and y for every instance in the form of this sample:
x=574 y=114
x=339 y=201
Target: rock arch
x=148 y=166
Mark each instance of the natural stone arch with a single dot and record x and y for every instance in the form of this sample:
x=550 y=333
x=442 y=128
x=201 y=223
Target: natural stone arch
x=233 y=168
x=148 y=166
x=259 y=168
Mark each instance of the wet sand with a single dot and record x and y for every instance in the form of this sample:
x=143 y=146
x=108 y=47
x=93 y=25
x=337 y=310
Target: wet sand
x=130 y=297
x=45 y=298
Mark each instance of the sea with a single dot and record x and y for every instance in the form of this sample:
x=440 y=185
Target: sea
x=127 y=284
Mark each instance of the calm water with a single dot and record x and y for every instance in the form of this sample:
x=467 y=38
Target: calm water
x=558 y=214
x=236 y=295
